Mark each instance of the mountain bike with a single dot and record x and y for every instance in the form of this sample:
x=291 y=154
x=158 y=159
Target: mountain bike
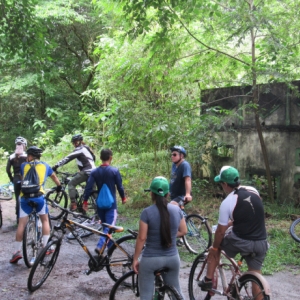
x=32 y=237
x=127 y=287
x=295 y=230
x=117 y=260
x=61 y=197
x=199 y=235
x=233 y=285
x=6 y=193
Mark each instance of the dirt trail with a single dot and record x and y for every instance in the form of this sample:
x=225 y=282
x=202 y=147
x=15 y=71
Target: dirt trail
x=68 y=281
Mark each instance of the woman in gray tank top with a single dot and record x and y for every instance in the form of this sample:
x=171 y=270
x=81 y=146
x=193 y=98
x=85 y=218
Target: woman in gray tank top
x=160 y=224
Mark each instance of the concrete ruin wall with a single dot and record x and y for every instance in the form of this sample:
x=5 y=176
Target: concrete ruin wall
x=280 y=119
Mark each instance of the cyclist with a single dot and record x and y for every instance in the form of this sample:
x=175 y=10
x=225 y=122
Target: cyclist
x=14 y=161
x=112 y=178
x=85 y=159
x=181 y=179
x=159 y=224
x=43 y=169
x=241 y=226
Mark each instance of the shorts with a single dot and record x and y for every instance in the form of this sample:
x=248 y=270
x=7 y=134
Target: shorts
x=178 y=199
x=232 y=245
x=26 y=209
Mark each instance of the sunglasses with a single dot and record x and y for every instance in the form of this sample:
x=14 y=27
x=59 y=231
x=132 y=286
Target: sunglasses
x=174 y=154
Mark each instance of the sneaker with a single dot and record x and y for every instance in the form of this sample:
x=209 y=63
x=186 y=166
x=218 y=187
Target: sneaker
x=32 y=260
x=179 y=243
x=205 y=285
x=16 y=257
x=85 y=206
x=73 y=206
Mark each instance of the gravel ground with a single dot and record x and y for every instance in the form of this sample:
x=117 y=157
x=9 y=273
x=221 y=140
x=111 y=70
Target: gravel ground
x=68 y=281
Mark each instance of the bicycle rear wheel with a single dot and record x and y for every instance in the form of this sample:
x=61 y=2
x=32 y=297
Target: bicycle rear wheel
x=120 y=260
x=295 y=230
x=59 y=198
x=169 y=292
x=126 y=288
x=43 y=265
x=30 y=242
x=198 y=271
x=92 y=206
x=5 y=194
x=0 y=216
x=199 y=235
x=245 y=289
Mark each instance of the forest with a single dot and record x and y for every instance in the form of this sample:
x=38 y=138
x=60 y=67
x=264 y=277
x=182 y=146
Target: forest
x=129 y=74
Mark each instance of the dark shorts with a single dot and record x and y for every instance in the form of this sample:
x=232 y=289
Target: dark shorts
x=254 y=251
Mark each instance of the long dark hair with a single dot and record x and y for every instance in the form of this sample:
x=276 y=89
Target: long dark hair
x=165 y=227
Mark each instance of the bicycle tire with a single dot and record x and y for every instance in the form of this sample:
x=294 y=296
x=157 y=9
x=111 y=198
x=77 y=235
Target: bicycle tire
x=92 y=206
x=43 y=266
x=125 y=288
x=168 y=292
x=1 y=221
x=119 y=262
x=199 y=236
x=198 y=271
x=83 y=232
x=5 y=194
x=295 y=230
x=245 y=288
x=60 y=198
x=29 y=242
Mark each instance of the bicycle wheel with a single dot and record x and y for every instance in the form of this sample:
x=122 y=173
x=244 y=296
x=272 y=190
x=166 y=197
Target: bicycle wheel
x=199 y=235
x=92 y=206
x=43 y=265
x=126 y=288
x=59 y=198
x=295 y=230
x=245 y=289
x=5 y=194
x=198 y=271
x=120 y=261
x=31 y=242
x=94 y=223
x=0 y=216
x=168 y=292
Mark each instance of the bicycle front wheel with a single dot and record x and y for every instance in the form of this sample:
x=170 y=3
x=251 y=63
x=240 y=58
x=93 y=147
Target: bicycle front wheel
x=5 y=194
x=198 y=271
x=60 y=198
x=120 y=258
x=199 y=236
x=43 y=265
x=168 y=292
x=295 y=230
x=250 y=288
x=126 y=288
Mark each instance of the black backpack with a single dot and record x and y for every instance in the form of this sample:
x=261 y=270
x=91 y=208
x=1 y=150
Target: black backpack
x=30 y=186
x=90 y=150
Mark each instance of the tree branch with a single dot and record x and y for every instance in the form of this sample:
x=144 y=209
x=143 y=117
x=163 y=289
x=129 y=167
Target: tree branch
x=69 y=84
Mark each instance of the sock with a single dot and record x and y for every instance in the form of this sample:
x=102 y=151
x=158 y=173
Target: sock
x=45 y=240
x=17 y=246
x=207 y=279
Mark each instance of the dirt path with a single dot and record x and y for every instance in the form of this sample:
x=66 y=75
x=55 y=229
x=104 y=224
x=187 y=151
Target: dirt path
x=68 y=281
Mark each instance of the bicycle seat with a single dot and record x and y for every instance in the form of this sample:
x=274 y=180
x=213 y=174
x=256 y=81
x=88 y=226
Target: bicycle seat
x=113 y=228
x=161 y=270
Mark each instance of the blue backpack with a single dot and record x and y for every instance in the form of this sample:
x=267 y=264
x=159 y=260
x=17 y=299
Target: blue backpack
x=105 y=199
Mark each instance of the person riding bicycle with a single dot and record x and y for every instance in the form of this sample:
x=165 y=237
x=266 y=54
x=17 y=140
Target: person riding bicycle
x=159 y=225
x=241 y=226
x=86 y=163
x=44 y=171
x=14 y=161
x=181 y=179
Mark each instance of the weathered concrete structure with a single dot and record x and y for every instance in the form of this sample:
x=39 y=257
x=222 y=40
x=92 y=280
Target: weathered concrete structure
x=280 y=120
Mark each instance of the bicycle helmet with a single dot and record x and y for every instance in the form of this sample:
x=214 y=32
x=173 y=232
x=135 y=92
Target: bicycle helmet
x=179 y=149
x=34 y=151
x=21 y=140
x=76 y=137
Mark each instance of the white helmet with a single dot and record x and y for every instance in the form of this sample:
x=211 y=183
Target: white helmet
x=21 y=140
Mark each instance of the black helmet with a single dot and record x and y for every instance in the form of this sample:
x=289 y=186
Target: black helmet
x=179 y=149
x=76 y=137
x=34 y=151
